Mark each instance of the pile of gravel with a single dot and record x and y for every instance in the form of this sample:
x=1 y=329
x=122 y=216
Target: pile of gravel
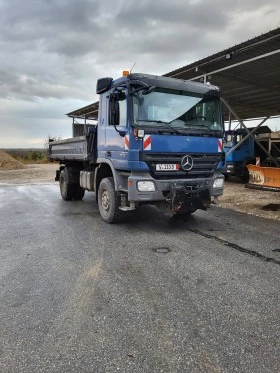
x=7 y=162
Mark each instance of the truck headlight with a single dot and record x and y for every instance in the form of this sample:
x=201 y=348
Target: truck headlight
x=218 y=183
x=146 y=186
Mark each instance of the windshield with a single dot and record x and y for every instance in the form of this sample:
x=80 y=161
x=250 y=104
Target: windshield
x=176 y=110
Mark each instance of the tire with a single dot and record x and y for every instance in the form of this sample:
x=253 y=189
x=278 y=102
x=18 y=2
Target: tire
x=109 y=201
x=245 y=177
x=67 y=190
x=79 y=192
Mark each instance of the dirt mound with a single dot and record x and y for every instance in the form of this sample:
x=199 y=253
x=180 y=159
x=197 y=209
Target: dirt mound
x=7 y=162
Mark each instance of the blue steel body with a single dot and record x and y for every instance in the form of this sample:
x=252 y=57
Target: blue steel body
x=243 y=152
x=237 y=160
x=128 y=159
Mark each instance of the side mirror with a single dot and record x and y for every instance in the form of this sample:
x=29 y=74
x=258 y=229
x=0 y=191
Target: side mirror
x=103 y=85
x=122 y=133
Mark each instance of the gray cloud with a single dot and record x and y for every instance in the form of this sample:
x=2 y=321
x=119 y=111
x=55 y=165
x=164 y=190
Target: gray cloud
x=52 y=52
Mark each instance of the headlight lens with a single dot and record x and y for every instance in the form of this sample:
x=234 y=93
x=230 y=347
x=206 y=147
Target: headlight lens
x=146 y=186
x=218 y=183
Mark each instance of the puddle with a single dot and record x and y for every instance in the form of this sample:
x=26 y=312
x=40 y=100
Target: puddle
x=271 y=207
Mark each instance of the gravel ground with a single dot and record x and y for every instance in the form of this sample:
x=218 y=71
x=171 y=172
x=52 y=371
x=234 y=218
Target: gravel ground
x=32 y=174
x=252 y=202
x=236 y=196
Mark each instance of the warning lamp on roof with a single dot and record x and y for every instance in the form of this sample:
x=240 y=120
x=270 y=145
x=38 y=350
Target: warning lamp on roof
x=125 y=73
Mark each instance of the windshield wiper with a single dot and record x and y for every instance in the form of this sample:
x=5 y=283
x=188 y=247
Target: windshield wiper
x=146 y=89
x=161 y=122
x=198 y=126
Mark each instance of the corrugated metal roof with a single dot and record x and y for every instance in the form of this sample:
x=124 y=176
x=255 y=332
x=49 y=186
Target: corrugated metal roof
x=88 y=112
x=248 y=75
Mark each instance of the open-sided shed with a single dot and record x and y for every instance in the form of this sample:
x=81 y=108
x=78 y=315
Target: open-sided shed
x=248 y=75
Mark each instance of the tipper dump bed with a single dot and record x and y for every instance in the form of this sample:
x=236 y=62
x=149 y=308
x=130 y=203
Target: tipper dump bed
x=80 y=148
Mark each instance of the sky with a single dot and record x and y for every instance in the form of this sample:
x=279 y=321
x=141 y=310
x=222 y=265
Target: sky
x=53 y=51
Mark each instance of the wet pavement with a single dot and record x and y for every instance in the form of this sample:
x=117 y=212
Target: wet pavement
x=152 y=294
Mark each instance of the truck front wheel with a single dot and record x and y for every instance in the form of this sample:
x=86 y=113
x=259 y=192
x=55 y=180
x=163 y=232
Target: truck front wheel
x=245 y=177
x=109 y=201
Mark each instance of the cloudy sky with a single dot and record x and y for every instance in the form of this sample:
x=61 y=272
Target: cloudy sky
x=53 y=51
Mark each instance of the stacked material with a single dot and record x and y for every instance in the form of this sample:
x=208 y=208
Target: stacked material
x=7 y=162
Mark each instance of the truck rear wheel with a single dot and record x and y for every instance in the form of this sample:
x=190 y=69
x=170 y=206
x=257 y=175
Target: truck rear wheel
x=67 y=190
x=79 y=192
x=109 y=201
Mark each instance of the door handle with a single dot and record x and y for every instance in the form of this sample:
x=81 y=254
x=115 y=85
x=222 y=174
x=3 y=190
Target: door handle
x=109 y=154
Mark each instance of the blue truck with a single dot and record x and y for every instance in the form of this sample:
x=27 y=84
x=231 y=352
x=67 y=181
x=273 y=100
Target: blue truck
x=246 y=152
x=157 y=140
x=243 y=155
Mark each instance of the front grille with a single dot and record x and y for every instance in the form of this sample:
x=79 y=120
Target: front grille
x=204 y=165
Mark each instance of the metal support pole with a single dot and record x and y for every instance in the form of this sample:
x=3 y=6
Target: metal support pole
x=85 y=126
x=203 y=106
x=248 y=132
x=251 y=133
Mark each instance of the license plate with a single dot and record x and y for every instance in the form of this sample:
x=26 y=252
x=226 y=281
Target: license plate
x=167 y=167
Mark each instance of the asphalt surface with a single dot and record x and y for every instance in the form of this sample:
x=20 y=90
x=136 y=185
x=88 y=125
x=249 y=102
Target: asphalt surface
x=153 y=294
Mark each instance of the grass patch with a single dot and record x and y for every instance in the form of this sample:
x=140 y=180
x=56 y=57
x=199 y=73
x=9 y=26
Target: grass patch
x=29 y=156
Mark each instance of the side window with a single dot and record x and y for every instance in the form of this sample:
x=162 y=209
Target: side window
x=123 y=109
x=207 y=111
x=210 y=112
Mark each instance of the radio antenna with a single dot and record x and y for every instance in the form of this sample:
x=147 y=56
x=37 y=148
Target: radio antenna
x=132 y=67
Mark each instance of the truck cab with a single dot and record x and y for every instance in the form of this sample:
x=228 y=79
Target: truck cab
x=243 y=155
x=157 y=141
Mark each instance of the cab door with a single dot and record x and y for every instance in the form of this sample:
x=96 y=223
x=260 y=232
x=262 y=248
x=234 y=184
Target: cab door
x=115 y=142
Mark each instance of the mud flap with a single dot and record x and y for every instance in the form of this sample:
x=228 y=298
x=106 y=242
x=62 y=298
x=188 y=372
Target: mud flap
x=184 y=199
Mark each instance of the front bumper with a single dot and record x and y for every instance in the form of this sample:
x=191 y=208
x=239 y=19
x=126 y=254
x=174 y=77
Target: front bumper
x=183 y=199
x=189 y=190
x=229 y=169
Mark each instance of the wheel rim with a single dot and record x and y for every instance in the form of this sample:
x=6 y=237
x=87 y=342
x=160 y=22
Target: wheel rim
x=105 y=200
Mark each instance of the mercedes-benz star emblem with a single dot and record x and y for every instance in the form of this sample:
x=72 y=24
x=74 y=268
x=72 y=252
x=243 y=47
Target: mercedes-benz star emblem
x=187 y=163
